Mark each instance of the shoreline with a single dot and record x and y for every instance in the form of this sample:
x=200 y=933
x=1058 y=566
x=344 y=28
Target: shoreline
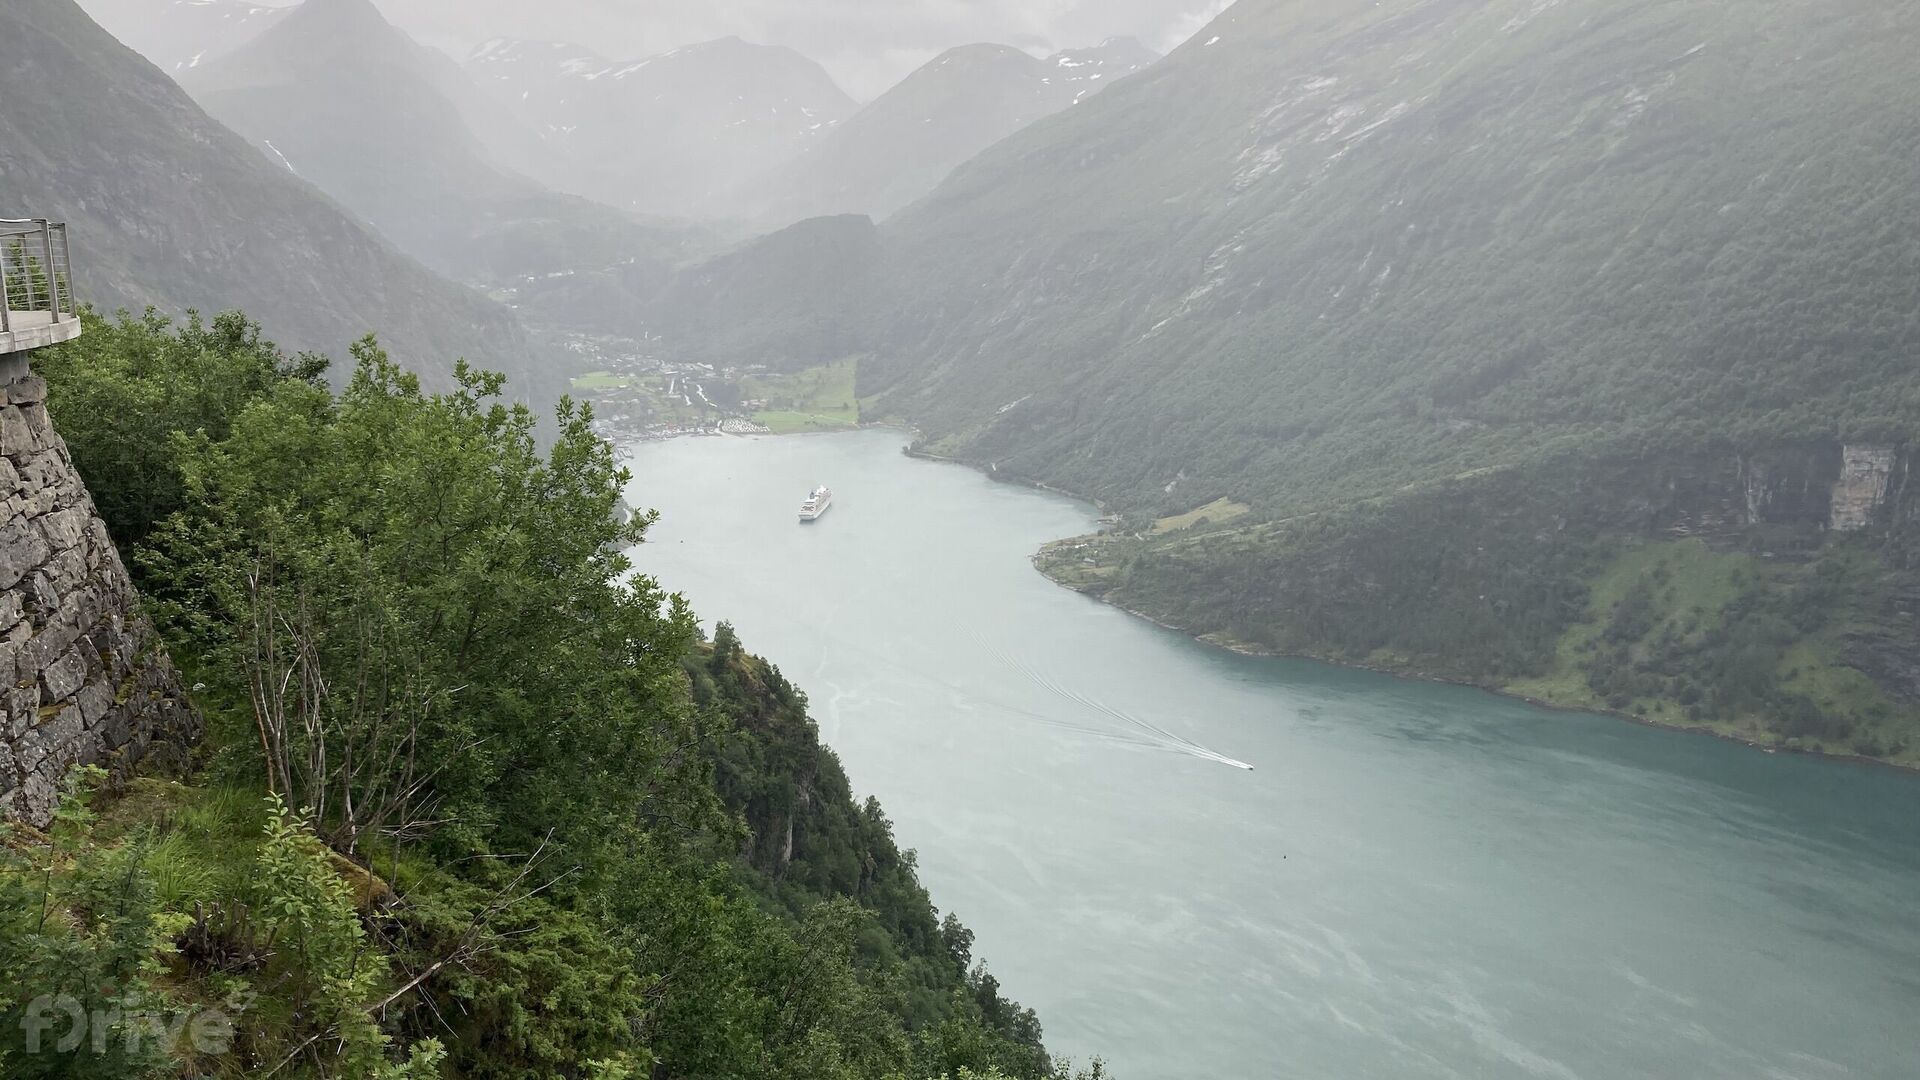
x=994 y=475
x=1258 y=653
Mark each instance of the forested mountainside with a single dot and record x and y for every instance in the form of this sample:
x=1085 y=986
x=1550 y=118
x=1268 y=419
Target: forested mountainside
x=804 y=287
x=474 y=802
x=901 y=145
x=668 y=135
x=171 y=209
x=1469 y=313
x=342 y=98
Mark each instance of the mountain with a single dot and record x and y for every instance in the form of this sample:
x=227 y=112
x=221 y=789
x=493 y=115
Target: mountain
x=667 y=135
x=340 y=97
x=1564 y=347
x=510 y=146
x=799 y=283
x=169 y=208
x=899 y=147
x=178 y=35
x=1089 y=71
x=1330 y=213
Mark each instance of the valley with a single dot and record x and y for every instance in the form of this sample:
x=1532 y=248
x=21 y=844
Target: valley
x=1456 y=347
x=1367 y=540
x=637 y=396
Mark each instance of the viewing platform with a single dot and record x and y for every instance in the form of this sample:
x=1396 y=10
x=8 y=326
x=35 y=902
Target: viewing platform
x=36 y=287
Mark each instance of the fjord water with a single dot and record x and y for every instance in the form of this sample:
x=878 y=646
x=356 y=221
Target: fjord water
x=1413 y=881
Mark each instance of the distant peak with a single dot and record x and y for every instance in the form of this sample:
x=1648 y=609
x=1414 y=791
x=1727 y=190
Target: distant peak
x=981 y=51
x=355 y=7
x=731 y=41
x=508 y=49
x=1111 y=58
x=339 y=15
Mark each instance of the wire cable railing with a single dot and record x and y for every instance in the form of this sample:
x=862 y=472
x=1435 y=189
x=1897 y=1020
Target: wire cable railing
x=36 y=273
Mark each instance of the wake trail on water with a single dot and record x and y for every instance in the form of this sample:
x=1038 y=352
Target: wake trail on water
x=925 y=678
x=1150 y=732
x=1136 y=732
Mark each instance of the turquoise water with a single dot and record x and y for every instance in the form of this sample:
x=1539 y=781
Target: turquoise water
x=1413 y=881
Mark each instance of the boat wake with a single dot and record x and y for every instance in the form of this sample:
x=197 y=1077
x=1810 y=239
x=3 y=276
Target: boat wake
x=1133 y=731
x=1138 y=730
x=921 y=674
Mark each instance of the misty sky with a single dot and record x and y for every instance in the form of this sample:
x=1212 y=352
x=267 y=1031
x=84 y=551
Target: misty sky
x=867 y=44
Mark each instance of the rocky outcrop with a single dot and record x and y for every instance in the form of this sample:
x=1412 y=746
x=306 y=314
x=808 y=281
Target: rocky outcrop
x=1816 y=487
x=1790 y=485
x=1866 y=475
x=83 y=679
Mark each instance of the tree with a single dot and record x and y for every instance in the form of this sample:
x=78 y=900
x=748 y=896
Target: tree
x=127 y=386
x=430 y=618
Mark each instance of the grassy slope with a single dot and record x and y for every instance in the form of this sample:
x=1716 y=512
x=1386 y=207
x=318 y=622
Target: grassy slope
x=1693 y=587
x=1703 y=584
x=1217 y=512
x=815 y=399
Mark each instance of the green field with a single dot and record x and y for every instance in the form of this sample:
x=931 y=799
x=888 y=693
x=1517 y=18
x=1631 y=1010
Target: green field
x=1214 y=513
x=817 y=399
x=602 y=380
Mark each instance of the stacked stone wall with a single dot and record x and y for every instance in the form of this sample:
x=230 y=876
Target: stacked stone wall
x=83 y=679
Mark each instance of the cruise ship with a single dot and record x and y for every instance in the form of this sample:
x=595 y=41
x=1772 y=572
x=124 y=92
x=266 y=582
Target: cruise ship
x=816 y=504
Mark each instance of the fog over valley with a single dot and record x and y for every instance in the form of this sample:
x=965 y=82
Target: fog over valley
x=867 y=45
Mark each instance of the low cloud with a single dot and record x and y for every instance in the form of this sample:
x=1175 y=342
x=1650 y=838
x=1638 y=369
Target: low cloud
x=867 y=44
x=1185 y=26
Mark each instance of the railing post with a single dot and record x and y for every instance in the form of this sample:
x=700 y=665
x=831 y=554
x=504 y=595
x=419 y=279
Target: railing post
x=6 y=291
x=32 y=302
x=53 y=272
x=66 y=257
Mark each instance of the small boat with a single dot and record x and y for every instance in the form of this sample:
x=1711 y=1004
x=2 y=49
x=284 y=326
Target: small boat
x=816 y=504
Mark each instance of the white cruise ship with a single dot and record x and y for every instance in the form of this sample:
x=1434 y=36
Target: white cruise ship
x=816 y=504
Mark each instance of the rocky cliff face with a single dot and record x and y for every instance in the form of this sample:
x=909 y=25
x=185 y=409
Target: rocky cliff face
x=1819 y=487
x=1860 y=492
x=82 y=678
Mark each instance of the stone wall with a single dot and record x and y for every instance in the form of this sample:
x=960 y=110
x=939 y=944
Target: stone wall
x=83 y=679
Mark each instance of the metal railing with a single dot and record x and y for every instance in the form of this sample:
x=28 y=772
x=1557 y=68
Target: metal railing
x=36 y=271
